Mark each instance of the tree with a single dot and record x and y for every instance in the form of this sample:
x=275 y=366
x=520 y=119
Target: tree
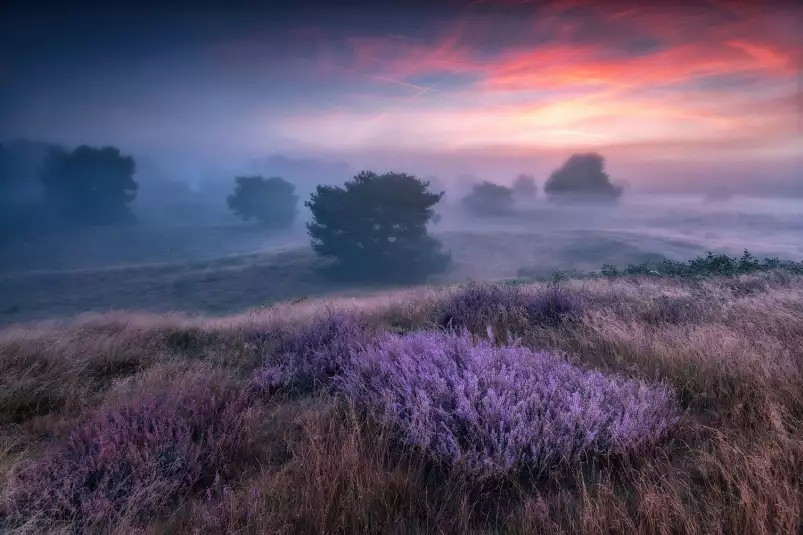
x=375 y=227
x=489 y=199
x=582 y=175
x=90 y=186
x=524 y=186
x=271 y=201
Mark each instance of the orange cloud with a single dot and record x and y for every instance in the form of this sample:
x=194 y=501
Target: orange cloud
x=564 y=65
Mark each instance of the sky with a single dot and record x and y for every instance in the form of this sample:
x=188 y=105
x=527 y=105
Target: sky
x=672 y=93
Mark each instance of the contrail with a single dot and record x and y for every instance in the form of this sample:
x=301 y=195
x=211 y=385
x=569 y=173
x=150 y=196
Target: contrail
x=424 y=90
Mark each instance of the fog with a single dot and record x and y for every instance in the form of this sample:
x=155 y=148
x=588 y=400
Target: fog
x=187 y=251
x=125 y=129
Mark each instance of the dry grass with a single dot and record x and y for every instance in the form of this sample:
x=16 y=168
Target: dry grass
x=732 y=348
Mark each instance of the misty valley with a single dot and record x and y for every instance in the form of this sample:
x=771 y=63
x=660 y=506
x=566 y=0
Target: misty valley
x=183 y=249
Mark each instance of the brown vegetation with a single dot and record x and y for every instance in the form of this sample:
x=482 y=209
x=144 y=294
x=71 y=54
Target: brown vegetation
x=731 y=347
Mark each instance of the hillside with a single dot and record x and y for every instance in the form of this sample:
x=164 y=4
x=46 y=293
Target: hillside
x=661 y=405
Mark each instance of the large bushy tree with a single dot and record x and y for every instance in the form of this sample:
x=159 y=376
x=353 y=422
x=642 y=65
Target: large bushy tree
x=582 y=176
x=375 y=227
x=92 y=186
x=271 y=201
x=489 y=199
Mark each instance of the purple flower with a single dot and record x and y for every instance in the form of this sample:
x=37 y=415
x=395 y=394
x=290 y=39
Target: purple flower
x=135 y=461
x=492 y=410
x=310 y=354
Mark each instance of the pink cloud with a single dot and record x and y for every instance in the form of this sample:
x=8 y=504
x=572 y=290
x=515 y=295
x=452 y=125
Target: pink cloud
x=630 y=97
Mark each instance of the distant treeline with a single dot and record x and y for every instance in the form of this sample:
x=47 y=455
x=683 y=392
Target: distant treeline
x=372 y=227
x=47 y=185
x=581 y=177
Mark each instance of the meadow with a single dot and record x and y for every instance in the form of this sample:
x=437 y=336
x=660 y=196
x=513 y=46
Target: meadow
x=641 y=404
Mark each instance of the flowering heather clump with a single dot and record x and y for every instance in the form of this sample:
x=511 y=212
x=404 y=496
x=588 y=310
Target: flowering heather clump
x=554 y=304
x=134 y=462
x=309 y=354
x=491 y=410
x=476 y=306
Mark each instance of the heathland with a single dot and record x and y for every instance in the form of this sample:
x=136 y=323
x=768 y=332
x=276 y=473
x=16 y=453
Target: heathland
x=622 y=403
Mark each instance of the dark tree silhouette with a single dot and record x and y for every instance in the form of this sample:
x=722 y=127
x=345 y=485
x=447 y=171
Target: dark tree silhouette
x=489 y=199
x=271 y=201
x=375 y=227
x=90 y=186
x=524 y=186
x=582 y=175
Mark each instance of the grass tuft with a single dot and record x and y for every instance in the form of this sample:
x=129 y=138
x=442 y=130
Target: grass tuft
x=507 y=307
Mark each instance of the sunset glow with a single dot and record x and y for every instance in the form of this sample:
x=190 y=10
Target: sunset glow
x=709 y=80
x=622 y=77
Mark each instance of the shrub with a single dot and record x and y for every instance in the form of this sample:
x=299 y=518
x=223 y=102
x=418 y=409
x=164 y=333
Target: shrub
x=133 y=462
x=270 y=201
x=477 y=306
x=489 y=199
x=308 y=355
x=375 y=227
x=490 y=411
x=710 y=264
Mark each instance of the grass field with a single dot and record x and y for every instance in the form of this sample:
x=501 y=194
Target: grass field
x=234 y=283
x=274 y=421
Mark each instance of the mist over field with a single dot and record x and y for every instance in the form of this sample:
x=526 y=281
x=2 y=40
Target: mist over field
x=213 y=263
x=694 y=113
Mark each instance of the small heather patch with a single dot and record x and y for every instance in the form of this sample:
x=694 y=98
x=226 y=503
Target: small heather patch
x=477 y=306
x=494 y=410
x=308 y=355
x=135 y=462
